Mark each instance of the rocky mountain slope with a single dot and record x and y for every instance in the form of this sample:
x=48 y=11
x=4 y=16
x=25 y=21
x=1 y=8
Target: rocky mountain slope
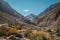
x=6 y=12
x=9 y=15
x=50 y=16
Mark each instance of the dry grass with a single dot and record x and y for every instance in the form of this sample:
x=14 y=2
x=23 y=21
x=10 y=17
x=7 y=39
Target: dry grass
x=38 y=35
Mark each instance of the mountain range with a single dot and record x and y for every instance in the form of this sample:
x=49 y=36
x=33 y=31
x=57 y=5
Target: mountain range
x=9 y=15
x=45 y=26
x=50 y=16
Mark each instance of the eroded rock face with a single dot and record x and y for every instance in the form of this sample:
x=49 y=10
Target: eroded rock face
x=50 y=17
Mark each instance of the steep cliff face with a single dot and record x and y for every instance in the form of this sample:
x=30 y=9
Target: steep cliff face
x=50 y=17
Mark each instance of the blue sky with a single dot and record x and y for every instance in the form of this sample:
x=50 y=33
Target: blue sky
x=26 y=7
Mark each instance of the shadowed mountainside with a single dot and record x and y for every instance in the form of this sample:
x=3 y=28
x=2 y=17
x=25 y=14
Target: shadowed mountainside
x=9 y=15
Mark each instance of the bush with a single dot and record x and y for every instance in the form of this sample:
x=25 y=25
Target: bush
x=13 y=31
x=27 y=33
x=8 y=31
x=38 y=35
x=58 y=32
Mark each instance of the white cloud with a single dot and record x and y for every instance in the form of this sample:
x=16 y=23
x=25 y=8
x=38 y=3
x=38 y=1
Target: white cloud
x=26 y=10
